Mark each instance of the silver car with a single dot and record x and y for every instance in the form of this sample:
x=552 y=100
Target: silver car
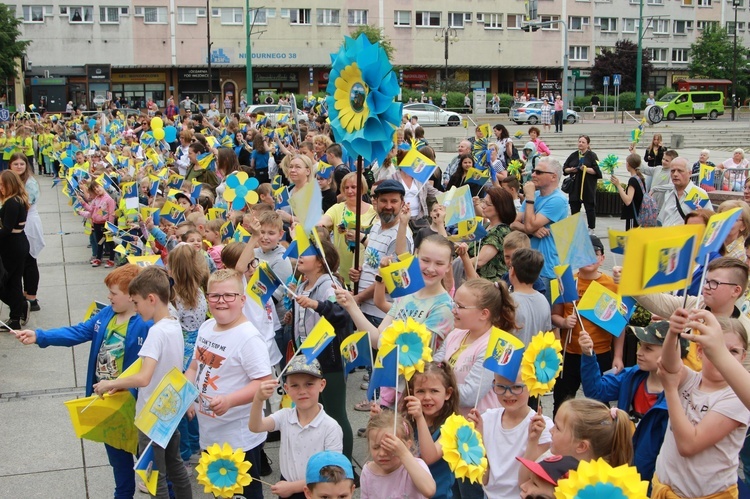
x=531 y=113
x=430 y=114
x=274 y=111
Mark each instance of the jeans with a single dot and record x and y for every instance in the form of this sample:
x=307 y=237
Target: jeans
x=101 y=242
x=122 y=467
x=170 y=465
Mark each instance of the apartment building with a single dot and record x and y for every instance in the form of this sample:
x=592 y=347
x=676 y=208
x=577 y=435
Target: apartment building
x=151 y=49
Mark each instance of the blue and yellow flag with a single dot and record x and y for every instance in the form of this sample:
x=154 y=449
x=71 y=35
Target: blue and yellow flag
x=94 y=308
x=563 y=289
x=175 y=181
x=324 y=170
x=145 y=468
x=147 y=139
x=129 y=190
x=165 y=407
x=300 y=245
x=717 y=230
x=696 y=198
x=356 y=351
x=146 y=261
x=403 y=277
x=469 y=231
x=458 y=205
x=307 y=205
x=281 y=197
x=476 y=176
x=504 y=354
x=227 y=231
x=384 y=371
x=319 y=338
x=573 y=242
x=215 y=213
x=605 y=308
x=706 y=177
x=206 y=161
x=172 y=212
x=618 y=239
x=107 y=419
x=417 y=165
x=262 y=284
x=241 y=235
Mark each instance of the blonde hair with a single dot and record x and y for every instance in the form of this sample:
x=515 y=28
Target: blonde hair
x=224 y=275
x=385 y=421
x=744 y=213
x=189 y=271
x=516 y=240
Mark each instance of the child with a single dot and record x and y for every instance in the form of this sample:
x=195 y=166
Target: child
x=329 y=474
x=270 y=251
x=564 y=317
x=394 y=472
x=161 y=351
x=511 y=184
x=213 y=237
x=193 y=238
x=231 y=361
x=328 y=189
x=513 y=241
x=305 y=428
x=437 y=224
x=116 y=334
x=637 y=389
x=532 y=308
x=505 y=433
x=100 y=210
x=707 y=422
x=265 y=195
x=588 y=429
x=544 y=475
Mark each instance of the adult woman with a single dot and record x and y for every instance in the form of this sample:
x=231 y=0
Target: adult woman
x=546 y=114
x=583 y=166
x=260 y=158
x=14 y=247
x=504 y=142
x=735 y=170
x=746 y=191
x=702 y=159
x=499 y=209
x=734 y=244
x=541 y=147
x=632 y=194
x=558 y=114
x=458 y=179
x=655 y=151
x=340 y=220
x=320 y=144
x=20 y=164
x=197 y=172
x=300 y=171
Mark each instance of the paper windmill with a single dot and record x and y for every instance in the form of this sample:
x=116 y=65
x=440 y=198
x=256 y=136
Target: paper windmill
x=463 y=449
x=595 y=479
x=607 y=185
x=515 y=167
x=240 y=190
x=361 y=99
x=518 y=134
x=609 y=164
x=413 y=340
x=481 y=152
x=541 y=363
x=223 y=471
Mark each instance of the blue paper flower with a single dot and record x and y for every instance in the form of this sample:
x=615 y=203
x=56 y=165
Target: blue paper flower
x=469 y=447
x=410 y=348
x=599 y=490
x=546 y=364
x=222 y=472
x=240 y=190
x=361 y=91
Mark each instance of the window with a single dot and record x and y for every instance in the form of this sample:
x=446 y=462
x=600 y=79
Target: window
x=33 y=13
x=630 y=25
x=578 y=53
x=155 y=15
x=457 y=19
x=328 y=17
x=258 y=16
x=493 y=21
x=187 y=15
x=109 y=15
x=658 y=55
x=706 y=24
x=704 y=3
x=299 y=16
x=123 y=11
x=731 y=28
x=427 y=19
x=515 y=21
x=356 y=17
x=687 y=3
x=680 y=55
x=660 y=26
x=402 y=18
x=546 y=19
x=215 y=12
x=63 y=10
x=79 y=15
x=232 y=15
x=607 y=24
x=271 y=13
x=576 y=23
x=654 y=2
x=682 y=27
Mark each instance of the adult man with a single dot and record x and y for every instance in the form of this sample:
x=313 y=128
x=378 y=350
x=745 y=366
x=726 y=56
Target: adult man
x=388 y=237
x=675 y=208
x=595 y=102
x=186 y=105
x=213 y=113
x=545 y=204
x=658 y=183
x=464 y=147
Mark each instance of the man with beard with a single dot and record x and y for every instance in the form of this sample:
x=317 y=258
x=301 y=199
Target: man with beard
x=388 y=237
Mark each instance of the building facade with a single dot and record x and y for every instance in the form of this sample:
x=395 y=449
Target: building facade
x=153 y=49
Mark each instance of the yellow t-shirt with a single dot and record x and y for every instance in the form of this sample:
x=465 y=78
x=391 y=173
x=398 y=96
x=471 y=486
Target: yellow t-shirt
x=343 y=217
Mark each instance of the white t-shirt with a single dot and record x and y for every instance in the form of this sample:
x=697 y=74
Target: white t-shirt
x=166 y=346
x=227 y=361
x=265 y=320
x=687 y=475
x=503 y=446
x=298 y=443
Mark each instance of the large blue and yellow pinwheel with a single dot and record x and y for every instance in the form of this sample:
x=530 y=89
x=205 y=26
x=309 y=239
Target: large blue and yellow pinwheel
x=595 y=479
x=362 y=87
x=240 y=190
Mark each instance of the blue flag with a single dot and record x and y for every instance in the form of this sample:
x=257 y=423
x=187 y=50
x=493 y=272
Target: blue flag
x=504 y=354
x=356 y=351
x=384 y=372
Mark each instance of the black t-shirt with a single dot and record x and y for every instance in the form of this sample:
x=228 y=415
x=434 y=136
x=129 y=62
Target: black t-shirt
x=627 y=211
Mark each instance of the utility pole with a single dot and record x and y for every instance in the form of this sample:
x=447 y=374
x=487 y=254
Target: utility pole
x=208 y=36
x=735 y=4
x=248 y=57
x=639 y=60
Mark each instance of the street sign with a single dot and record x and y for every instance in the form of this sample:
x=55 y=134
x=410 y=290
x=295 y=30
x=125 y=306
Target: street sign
x=4 y=115
x=585 y=73
x=577 y=73
x=606 y=81
x=616 y=80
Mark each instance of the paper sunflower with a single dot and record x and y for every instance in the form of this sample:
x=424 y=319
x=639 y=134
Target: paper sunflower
x=541 y=363
x=223 y=471
x=595 y=479
x=515 y=167
x=463 y=449
x=362 y=87
x=412 y=340
x=240 y=190
x=609 y=164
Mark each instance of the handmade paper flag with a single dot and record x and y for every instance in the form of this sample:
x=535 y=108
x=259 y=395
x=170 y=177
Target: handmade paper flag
x=107 y=419
x=603 y=307
x=319 y=338
x=262 y=284
x=165 y=407
x=356 y=351
x=403 y=277
x=707 y=177
x=458 y=205
x=717 y=230
x=281 y=197
x=206 y=161
x=573 y=242
x=696 y=198
x=504 y=354
x=129 y=190
x=215 y=213
x=94 y=308
x=300 y=245
x=564 y=289
x=324 y=170
x=241 y=235
x=145 y=468
x=469 y=230
x=307 y=205
x=384 y=371
x=618 y=239
x=175 y=181
x=476 y=176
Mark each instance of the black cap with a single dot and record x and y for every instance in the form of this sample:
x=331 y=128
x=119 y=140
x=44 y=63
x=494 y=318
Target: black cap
x=389 y=185
x=597 y=243
x=183 y=195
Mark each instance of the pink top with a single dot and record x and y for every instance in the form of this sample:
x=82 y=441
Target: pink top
x=558 y=105
x=395 y=485
x=101 y=209
x=541 y=147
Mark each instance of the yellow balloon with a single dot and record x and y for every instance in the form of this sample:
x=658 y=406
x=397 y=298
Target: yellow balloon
x=159 y=133
x=157 y=123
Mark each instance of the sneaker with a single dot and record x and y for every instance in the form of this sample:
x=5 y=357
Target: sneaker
x=361 y=432
x=142 y=488
x=591 y=232
x=96 y=262
x=9 y=324
x=109 y=264
x=34 y=305
x=91 y=260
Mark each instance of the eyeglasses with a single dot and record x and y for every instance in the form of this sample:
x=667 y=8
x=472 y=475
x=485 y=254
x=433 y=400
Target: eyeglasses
x=253 y=264
x=541 y=172
x=714 y=284
x=456 y=306
x=503 y=389
x=217 y=297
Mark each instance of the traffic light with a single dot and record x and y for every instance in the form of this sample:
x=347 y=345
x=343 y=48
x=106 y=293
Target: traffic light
x=530 y=27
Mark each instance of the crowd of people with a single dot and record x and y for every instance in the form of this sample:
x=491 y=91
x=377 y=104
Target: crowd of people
x=681 y=416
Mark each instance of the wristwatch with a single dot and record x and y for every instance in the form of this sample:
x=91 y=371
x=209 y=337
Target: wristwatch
x=378 y=278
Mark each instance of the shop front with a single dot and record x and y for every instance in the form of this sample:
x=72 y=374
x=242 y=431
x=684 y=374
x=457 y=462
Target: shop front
x=134 y=90
x=193 y=82
x=276 y=81
x=98 y=82
x=49 y=94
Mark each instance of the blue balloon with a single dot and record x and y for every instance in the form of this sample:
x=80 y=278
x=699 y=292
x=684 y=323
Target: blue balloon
x=92 y=123
x=67 y=162
x=170 y=133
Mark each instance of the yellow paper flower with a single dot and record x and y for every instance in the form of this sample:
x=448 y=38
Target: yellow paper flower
x=413 y=342
x=463 y=448
x=541 y=363
x=223 y=471
x=596 y=479
x=351 y=98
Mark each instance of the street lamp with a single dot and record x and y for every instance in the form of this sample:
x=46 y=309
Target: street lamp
x=450 y=35
x=639 y=60
x=208 y=39
x=735 y=4
x=248 y=57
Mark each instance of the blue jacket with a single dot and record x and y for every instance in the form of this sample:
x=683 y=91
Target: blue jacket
x=93 y=330
x=649 y=434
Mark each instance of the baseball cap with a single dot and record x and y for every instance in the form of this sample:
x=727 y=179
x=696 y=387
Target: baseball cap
x=389 y=185
x=655 y=333
x=180 y=195
x=551 y=469
x=326 y=458
x=299 y=365
x=597 y=243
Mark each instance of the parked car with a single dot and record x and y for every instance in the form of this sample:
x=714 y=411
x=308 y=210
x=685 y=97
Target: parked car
x=688 y=104
x=275 y=111
x=430 y=114
x=531 y=113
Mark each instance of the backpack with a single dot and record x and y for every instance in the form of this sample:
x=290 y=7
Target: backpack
x=646 y=216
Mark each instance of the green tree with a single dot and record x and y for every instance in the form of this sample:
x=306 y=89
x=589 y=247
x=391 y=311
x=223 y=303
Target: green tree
x=10 y=47
x=622 y=60
x=376 y=35
x=712 y=55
